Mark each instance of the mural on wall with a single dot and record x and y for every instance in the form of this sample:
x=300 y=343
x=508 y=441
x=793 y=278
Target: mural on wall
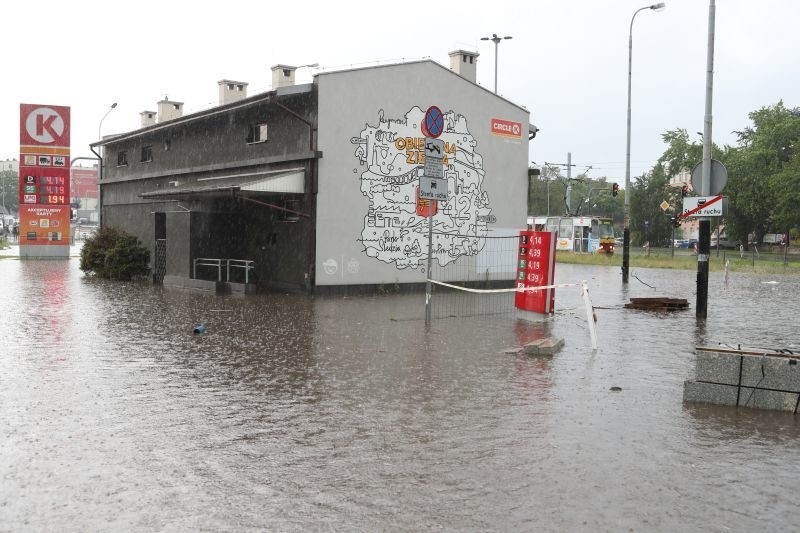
x=395 y=226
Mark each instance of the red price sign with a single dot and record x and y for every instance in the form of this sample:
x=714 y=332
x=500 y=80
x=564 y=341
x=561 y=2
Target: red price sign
x=536 y=268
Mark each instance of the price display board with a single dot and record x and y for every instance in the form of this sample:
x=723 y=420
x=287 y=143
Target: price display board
x=536 y=261
x=44 y=192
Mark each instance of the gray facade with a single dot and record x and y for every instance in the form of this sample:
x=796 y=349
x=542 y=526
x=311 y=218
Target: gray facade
x=316 y=184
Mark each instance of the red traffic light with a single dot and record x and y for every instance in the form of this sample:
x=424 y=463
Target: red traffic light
x=615 y=189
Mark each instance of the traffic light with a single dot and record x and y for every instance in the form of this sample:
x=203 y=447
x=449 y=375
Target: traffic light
x=615 y=189
x=684 y=190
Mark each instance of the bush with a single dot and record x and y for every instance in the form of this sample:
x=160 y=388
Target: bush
x=114 y=254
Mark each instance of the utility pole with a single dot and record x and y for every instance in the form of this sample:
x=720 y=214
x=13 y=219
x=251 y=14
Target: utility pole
x=704 y=244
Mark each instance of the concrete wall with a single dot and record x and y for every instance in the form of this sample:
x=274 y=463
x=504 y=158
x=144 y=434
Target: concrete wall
x=219 y=227
x=767 y=381
x=368 y=230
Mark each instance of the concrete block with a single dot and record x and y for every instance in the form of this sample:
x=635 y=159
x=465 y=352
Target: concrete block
x=701 y=392
x=532 y=348
x=777 y=373
x=551 y=346
x=716 y=367
x=546 y=346
x=765 y=399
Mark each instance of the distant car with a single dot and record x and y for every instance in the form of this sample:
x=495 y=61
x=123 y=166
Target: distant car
x=680 y=243
x=723 y=243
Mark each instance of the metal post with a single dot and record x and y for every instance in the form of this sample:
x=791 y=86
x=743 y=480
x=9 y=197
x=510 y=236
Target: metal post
x=704 y=244
x=428 y=277
x=626 y=224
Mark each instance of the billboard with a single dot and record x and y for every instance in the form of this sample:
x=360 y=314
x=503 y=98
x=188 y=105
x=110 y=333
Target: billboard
x=44 y=189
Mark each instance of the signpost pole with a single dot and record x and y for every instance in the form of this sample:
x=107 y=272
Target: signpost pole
x=428 y=277
x=432 y=187
x=704 y=241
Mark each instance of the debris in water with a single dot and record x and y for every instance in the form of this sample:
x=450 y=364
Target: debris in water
x=200 y=328
x=659 y=303
x=616 y=389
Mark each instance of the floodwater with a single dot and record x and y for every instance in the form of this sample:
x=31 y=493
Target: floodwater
x=296 y=413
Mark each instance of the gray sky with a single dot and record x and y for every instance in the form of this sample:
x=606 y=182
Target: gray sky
x=567 y=61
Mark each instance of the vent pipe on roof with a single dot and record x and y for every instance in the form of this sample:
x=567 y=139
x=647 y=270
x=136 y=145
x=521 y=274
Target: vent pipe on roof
x=169 y=110
x=465 y=64
x=148 y=118
x=231 y=91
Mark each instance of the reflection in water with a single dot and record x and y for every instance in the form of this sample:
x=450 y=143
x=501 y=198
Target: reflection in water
x=296 y=413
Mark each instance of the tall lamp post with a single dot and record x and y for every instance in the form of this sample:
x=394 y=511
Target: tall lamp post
x=626 y=228
x=100 y=165
x=496 y=40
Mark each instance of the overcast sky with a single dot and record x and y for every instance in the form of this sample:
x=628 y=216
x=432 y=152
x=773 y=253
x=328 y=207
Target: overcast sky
x=566 y=63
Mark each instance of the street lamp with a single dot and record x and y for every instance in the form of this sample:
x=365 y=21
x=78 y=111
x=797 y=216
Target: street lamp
x=626 y=231
x=496 y=40
x=100 y=166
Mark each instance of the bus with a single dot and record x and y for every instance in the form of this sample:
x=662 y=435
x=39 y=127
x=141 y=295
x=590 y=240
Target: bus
x=578 y=234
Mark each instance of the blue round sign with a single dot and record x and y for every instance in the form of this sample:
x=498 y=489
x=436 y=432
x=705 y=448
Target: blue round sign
x=433 y=125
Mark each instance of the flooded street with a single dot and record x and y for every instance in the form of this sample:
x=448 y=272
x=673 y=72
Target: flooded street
x=345 y=413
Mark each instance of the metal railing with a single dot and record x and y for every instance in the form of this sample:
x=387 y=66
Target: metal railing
x=244 y=264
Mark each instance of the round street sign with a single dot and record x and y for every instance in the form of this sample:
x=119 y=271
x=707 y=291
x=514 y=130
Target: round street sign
x=433 y=124
x=719 y=177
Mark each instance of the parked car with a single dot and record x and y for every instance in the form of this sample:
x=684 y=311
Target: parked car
x=723 y=243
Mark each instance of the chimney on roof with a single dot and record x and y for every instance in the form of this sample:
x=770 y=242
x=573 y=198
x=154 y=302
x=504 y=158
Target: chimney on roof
x=168 y=110
x=148 y=118
x=282 y=76
x=231 y=91
x=464 y=63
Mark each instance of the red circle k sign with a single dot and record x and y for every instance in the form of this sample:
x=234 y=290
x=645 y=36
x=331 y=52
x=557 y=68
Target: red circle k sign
x=506 y=128
x=48 y=125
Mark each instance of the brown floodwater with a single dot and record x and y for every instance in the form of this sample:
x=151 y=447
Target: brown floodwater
x=347 y=413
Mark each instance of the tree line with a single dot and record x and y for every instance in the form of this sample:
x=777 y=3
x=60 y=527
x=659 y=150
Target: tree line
x=763 y=187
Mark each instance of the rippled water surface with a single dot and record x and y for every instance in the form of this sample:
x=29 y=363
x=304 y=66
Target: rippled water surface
x=346 y=413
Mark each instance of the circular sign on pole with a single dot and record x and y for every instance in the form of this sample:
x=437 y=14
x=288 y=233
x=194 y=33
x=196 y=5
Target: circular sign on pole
x=433 y=123
x=719 y=177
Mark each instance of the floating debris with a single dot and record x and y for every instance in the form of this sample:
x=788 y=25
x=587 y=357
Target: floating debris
x=199 y=329
x=615 y=389
x=658 y=303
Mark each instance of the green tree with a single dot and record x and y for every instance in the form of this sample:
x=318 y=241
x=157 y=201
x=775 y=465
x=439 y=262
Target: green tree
x=649 y=222
x=764 y=182
x=9 y=190
x=114 y=254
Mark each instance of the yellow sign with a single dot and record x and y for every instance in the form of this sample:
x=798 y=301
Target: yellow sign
x=664 y=205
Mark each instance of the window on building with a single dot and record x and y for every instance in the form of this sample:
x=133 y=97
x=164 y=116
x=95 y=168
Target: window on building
x=292 y=213
x=257 y=134
x=122 y=159
x=240 y=87
x=147 y=154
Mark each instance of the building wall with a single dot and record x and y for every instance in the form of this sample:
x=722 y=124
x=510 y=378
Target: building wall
x=218 y=226
x=368 y=229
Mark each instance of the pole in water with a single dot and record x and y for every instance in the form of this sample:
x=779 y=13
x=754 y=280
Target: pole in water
x=428 y=277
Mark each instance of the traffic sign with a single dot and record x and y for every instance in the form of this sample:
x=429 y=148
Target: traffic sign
x=695 y=206
x=719 y=177
x=432 y=188
x=434 y=154
x=433 y=123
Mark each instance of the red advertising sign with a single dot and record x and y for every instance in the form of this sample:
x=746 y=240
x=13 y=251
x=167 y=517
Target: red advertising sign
x=536 y=262
x=424 y=207
x=41 y=225
x=44 y=163
x=506 y=128
x=43 y=125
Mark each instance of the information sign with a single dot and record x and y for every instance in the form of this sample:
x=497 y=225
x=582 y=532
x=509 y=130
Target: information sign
x=536 y=263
